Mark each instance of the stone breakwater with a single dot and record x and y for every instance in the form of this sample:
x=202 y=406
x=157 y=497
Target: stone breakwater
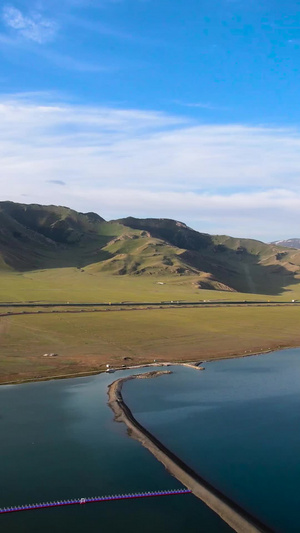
x=235 y=516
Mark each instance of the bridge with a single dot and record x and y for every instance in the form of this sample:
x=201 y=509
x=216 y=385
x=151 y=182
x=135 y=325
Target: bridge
x=81 y=501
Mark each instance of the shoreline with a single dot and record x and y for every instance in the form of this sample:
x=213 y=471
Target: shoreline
x=189 y=363
x=230 y=512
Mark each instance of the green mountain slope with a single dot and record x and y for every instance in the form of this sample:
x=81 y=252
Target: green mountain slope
x=42 y=237
x=35 y=236
x=245 y=265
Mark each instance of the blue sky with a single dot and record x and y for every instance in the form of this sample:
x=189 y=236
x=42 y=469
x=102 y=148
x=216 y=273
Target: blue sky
x=186 y=110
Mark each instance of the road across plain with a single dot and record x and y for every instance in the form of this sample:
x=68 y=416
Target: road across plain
x=178 y=303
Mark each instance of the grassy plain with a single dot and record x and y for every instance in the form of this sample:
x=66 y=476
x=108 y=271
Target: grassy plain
x=74 y=285
x=87 y=341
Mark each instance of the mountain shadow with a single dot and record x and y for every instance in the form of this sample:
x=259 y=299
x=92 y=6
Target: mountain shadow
x=35 y=236
x=40 y=237
x=245 y=265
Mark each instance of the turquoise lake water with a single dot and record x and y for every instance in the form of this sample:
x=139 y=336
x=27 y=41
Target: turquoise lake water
x=236 y=423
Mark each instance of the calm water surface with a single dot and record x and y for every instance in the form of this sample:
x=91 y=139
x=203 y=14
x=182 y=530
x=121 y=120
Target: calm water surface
x=58 y=440
x=238 y=424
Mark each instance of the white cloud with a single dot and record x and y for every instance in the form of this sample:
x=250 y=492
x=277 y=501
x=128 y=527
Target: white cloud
x=34 y=27
x=234 y=179
x=258 y=214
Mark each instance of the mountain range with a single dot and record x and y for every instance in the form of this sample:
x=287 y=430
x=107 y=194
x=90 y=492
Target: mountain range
x=40 y=237
x=288 y=243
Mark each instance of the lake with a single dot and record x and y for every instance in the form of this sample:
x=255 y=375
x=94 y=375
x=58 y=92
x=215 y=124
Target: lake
x=59 y=441
x=236 y=423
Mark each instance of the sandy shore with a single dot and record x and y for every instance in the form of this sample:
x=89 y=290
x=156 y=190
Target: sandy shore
x=236 y=517
x=196 y=366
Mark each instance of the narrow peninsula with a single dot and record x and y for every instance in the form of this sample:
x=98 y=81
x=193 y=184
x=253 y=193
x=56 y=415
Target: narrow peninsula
x=234 y=515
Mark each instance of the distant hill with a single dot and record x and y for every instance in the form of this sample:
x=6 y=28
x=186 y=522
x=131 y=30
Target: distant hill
x=41 y=237
x=289 y=243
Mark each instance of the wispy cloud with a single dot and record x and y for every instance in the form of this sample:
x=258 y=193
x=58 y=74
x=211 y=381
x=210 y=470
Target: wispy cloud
x=200 y=105
x=233 y=178
x=74 y=63
x=98 y=27
x=59 y=59
x=33 y=27
x=56 y=182
x=105 y=30
x=25 y=30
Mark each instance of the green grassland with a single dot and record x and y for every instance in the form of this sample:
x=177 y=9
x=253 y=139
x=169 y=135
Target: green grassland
x=87 y=341
x=52 y=254
x=87 y=285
